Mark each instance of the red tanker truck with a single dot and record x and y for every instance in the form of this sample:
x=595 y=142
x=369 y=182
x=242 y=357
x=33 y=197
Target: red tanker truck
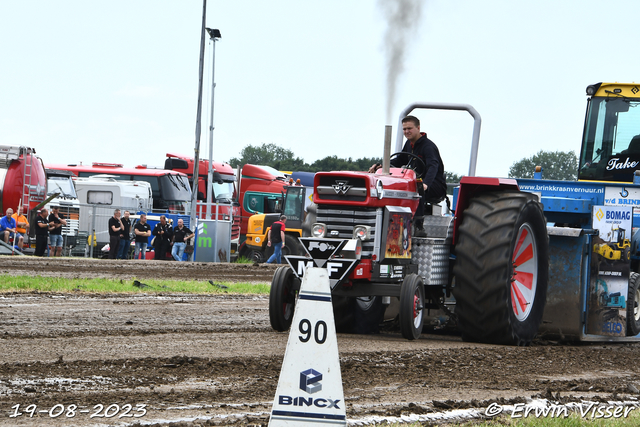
x=23 y=181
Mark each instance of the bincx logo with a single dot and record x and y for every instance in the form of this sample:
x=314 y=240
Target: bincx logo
x=341 y=187
x=310 y=381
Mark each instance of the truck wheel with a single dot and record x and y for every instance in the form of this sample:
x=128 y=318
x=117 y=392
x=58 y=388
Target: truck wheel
x=256 y=256
x=291 y=246
x=501 y=268
x=282 y=298
x=633 y=307
x=411 y=306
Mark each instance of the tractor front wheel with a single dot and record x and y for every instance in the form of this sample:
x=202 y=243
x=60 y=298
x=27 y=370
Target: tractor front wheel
x=282 y=298
x=411 y=306
x=501 y=268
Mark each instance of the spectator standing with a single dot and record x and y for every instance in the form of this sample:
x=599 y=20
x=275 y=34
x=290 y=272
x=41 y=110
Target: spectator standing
x=162 y=242
x=42 y=232
x=115 y=230
x=275 y=237
x=55 y=234
x=180 y=236
x=142 y=230
x=22 y=227
x=125 y=237
x=7 y=226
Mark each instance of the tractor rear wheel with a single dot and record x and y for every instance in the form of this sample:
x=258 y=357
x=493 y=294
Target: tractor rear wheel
x=633 y=307
x=411 y=306
x=502 y=268
x=282 y=298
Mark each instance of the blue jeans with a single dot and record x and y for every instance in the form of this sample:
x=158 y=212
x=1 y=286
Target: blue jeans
x=277 y=254
x=178 y=250
x=123 y=250
x=140 y=247
x=55 y=240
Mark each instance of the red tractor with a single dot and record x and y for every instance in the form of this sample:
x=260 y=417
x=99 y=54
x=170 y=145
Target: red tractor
x=360 y=229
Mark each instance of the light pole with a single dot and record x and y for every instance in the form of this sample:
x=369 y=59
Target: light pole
x=214 y=35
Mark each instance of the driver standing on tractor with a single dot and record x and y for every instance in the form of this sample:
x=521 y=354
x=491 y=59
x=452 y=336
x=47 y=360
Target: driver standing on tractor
x=434 y=184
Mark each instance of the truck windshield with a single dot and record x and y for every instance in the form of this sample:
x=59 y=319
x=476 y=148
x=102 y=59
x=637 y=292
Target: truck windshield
x=611 y=142
x=61 y=185
x=223 y=192
x=175 y=193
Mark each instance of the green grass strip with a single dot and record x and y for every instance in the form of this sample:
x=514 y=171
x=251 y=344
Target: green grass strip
x=55 y=284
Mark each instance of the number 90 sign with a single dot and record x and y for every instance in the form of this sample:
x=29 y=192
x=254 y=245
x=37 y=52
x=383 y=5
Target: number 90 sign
x=319 y=331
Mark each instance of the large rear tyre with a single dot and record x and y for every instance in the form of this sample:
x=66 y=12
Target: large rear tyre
x=501 y=268
x=282 y=298
x=411 y=307
x=633 y=307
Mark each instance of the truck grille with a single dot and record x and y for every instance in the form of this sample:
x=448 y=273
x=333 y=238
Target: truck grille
x=343 y=221
x=235 y=228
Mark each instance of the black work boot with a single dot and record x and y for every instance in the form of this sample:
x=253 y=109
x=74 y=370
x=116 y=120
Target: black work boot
x=419 y=227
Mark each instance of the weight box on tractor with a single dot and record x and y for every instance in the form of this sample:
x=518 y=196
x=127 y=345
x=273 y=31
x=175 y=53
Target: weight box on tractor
x=517 y=258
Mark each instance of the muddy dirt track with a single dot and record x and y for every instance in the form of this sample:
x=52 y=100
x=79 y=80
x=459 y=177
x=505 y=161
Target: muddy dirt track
x=188 y=360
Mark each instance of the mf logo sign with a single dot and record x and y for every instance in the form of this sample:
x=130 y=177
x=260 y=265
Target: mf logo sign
x=341 y=187
x=310 y=381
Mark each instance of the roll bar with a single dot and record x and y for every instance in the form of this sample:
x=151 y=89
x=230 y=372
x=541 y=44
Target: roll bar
x=475 y=139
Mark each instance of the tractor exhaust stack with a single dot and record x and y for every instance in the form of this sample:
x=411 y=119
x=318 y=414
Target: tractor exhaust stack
x=387 y=150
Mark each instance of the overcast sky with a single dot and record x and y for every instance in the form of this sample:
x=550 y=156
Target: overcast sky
x=116 y=81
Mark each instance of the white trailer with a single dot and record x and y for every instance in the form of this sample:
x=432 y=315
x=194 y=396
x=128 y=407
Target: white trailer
x=100 y=195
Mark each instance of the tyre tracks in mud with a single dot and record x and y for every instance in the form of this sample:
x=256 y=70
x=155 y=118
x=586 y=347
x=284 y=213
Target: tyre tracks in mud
x=214 y=360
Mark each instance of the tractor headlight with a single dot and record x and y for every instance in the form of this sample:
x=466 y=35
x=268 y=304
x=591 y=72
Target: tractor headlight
x=362 y=232
x=318 y=229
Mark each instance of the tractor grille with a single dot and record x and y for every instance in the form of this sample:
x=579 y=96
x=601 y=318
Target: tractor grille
x=342 y=188
x=343 y=221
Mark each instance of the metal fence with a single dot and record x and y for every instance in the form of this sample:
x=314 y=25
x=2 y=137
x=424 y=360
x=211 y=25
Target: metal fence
x=89 y=234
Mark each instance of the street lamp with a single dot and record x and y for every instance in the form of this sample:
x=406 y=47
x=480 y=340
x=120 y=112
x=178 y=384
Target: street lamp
x=214 y=34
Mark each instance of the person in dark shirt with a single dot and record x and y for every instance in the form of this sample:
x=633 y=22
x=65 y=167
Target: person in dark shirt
x=276 y=238
x=142 y=230
x=162 y=242
x=115 y=230
x=125 y=237
x=55 y=235
x=434 y=183
x=180 y=236
x=42 y=232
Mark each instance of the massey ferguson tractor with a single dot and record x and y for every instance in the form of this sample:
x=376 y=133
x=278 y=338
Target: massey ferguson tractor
x=514 y=259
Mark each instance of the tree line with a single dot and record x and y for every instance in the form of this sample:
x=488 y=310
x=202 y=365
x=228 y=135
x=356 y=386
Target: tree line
x=558 y=165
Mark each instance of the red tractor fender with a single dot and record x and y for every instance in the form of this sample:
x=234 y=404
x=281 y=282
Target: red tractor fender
x=471 y=186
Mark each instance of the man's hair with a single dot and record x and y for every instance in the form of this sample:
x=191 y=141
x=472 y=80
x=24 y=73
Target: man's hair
x=412 y=119
x=283 y=217
x=127 y=212
x=55 y=207
x=116 y=211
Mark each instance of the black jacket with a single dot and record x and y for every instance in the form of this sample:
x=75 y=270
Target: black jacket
x=166 y=236
x=429 y=154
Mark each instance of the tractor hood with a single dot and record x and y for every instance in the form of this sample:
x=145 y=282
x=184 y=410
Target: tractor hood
x=364 y=189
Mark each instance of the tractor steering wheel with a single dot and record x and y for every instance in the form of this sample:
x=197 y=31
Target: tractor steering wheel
x=418 y=166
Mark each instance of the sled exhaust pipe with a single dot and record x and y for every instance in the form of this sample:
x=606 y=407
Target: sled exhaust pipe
x=387 y=150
